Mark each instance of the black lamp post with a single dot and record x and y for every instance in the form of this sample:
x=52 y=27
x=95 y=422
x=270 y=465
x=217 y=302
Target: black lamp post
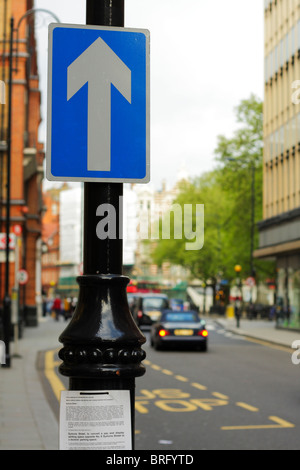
x=252 y=270
x=7 y=299
x=238 y=301
x=102 y=343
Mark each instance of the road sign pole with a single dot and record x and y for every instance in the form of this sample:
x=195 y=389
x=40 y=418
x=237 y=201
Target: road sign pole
x=102 y=344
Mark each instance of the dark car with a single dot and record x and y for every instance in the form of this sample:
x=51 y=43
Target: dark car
x=148 y=308
x=179 y=329
x=131 y=298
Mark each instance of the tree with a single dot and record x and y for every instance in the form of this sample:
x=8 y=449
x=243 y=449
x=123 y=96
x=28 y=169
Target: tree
x=241 y=176
x=207 y=262
x=227 y=197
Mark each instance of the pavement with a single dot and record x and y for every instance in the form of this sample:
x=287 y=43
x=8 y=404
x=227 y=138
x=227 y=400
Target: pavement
x=261 y=330
x=27 y=421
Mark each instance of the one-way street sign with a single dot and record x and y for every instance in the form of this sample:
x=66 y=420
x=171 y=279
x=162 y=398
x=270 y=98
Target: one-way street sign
x=98 y=118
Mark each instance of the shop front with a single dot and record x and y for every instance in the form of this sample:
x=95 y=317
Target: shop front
x=279 y=241
x=288 y=292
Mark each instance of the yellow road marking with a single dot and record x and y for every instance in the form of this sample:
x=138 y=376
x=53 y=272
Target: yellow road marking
x=220 y=395
x=182 y=379
x=281 y=424
x=145 y=394
x=140 y=406
x=268 y=344
x=199 y=386
x=246 y=406
x=208 y=404
x=155 y=367
x=56 y=384
x=176 y=406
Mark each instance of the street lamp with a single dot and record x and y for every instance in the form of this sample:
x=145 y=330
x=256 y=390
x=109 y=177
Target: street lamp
x=102 y=343
x=238 y=268
x=252 y=271
x=237 y=309
x=7 y=299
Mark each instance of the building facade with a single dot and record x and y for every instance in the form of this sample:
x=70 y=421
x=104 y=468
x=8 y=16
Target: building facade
x=280 y=228
x=63 y=236
x=50 y=241
x=26 y=155
x=70 y=240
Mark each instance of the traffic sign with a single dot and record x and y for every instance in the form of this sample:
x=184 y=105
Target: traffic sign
x=22 y=277
x=17 y=229
x=250 y=281
x=98 y=104
x=11 y=242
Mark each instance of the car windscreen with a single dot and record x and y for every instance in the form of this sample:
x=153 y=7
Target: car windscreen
x=180 y=317
x=155 y=303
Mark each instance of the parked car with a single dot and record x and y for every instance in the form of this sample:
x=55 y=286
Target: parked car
x=148 y=308
x=258 y=310
x=179 y=329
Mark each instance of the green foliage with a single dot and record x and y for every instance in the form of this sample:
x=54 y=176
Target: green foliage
x=227 y=195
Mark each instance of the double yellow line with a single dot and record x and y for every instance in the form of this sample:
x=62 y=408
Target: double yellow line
x=50 y=364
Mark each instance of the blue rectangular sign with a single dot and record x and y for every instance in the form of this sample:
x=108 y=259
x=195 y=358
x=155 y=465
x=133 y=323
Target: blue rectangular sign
x=98 y=118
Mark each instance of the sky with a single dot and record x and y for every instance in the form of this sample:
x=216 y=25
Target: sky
x=205 y=57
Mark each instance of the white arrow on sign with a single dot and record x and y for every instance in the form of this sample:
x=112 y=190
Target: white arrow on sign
x=100 y=67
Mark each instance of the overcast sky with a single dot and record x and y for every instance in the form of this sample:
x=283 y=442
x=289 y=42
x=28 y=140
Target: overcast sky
x=206 y=56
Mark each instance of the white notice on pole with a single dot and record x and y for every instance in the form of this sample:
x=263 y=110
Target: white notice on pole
x=95 y=420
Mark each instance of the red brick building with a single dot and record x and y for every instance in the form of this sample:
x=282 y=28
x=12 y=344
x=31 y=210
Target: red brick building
x=27 y=154
x=50 y=237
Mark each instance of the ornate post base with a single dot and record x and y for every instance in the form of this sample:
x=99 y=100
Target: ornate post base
x=102 y=341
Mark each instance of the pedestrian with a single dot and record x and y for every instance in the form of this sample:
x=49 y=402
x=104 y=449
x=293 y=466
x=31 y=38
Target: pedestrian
x=272 y=312
x=237 y=312
x=67 y=308
x=287 y=314
x=44 y=301
x=56 y=307
x=73 y=304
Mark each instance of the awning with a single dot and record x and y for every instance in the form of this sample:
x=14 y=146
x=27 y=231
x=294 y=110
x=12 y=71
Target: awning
x=275 y=250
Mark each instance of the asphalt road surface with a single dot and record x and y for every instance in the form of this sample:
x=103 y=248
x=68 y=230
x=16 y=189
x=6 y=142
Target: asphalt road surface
x=240 y=395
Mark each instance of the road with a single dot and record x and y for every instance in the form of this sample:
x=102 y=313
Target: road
x=239 y=395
